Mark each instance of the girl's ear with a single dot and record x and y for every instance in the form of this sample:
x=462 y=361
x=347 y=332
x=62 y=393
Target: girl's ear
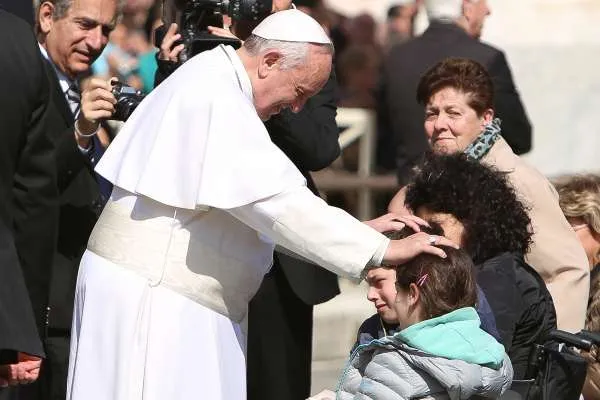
x=414 y=295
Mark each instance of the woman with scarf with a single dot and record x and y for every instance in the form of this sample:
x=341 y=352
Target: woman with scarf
x=458 y=97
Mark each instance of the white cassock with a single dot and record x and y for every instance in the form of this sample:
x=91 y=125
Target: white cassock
x=201 y=198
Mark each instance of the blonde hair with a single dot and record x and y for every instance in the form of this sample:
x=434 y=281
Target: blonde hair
x=579 y=197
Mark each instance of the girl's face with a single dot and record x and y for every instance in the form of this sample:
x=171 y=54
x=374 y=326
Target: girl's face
x=382 y=292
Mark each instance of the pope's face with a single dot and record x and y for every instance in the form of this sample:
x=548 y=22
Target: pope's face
x=282 y=88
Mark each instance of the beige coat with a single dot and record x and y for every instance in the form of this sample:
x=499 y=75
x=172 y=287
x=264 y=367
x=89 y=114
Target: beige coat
x=555 y=254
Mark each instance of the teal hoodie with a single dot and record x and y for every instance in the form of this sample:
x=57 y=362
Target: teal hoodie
x=457 y=336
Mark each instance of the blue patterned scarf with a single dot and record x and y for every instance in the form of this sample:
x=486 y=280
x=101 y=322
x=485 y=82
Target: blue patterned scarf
x=484 y=142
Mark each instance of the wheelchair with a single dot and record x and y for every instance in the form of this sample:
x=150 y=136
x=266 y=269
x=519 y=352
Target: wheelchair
x=556 y=369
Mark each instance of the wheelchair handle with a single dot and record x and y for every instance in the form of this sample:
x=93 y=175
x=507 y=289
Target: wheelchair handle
x=593 y=337
x=570 y=339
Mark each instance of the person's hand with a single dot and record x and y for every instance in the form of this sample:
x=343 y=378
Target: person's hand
x=25 y=371
x=396 y=222
x=401 y=251
x=97 y=102
x=167 y=51
x=215 y=30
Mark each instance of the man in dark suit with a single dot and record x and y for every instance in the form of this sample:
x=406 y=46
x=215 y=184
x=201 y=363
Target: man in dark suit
x=72 y=34
x=454 y=31
x=28 y=203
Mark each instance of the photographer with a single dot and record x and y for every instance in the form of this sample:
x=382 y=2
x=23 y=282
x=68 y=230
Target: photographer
x=280 y=318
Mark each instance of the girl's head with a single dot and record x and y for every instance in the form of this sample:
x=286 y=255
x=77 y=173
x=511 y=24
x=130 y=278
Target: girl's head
x=382 y=280
x=429 y=286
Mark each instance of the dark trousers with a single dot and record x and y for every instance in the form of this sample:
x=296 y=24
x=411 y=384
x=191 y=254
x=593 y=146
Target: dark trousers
x=279 y=342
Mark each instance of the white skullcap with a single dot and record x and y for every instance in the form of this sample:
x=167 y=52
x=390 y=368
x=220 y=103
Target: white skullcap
x=291 y=26
x=443 y=9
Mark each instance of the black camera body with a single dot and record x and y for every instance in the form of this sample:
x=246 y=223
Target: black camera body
x=195 y=16
x=128 y=98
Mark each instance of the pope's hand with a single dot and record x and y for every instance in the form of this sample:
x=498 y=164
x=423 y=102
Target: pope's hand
x=395 y=222
x=26 y=370
x=167 y=51
x=401 y=251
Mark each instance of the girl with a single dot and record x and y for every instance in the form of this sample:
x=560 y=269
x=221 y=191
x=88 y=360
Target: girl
x=440 y=351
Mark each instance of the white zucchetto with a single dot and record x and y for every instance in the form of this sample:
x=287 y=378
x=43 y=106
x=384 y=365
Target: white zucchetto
x=291 y=26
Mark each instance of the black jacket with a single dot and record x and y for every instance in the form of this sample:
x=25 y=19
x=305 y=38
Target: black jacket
x=310 y=139
x=521 y=303
x=80 y=206
x=28 y=196
x=20 y=8
x=401 y=117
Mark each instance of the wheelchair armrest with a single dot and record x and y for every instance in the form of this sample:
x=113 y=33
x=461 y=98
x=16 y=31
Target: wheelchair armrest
x=570 y=339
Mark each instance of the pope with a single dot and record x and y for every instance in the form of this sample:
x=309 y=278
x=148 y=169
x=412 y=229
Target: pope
x=201 y=198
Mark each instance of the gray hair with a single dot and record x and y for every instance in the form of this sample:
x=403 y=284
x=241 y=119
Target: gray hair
x=450 y=10
x=61 y=7
x=294 y=53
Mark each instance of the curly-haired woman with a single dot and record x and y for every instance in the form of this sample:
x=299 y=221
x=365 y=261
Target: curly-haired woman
x=458 y=97
x=579 y=198
x=477 y=208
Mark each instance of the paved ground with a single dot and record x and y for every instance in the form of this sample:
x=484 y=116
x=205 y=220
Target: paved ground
x=335 y=325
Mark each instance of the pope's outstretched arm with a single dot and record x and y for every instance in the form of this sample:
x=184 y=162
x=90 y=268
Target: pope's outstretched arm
x=328 y=236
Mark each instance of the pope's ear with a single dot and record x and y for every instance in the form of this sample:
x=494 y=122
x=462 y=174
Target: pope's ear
x=269 y=62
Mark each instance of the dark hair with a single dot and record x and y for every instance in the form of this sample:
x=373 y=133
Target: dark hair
x=432 y=229
x=478 y=196
x=449 y=283
x=462 y=74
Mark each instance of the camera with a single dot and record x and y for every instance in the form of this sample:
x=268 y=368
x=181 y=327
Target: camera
x=195 y=16
x=128 y=98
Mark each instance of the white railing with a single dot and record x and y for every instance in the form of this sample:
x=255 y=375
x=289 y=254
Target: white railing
x=360 y=125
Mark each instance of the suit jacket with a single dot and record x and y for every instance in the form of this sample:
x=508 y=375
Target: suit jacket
x=401 y=117
x=20 y=8
x=80 y=206
x=28 y=196
x=556 y=253
x=310 y=139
